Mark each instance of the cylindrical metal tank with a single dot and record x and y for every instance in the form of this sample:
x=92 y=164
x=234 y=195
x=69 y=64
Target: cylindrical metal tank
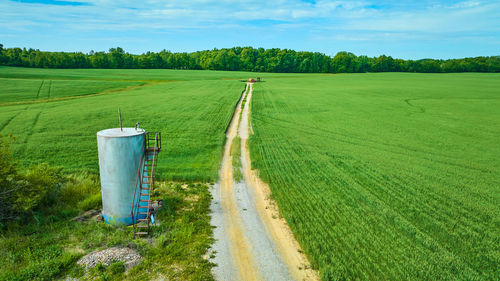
x=120 y=158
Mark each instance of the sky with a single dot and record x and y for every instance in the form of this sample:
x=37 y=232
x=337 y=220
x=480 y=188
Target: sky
x=402 y=29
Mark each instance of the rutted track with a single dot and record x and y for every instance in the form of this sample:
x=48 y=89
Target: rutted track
x=252 y=243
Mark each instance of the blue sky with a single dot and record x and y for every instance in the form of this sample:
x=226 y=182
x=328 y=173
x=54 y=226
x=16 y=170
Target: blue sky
x=402 y=29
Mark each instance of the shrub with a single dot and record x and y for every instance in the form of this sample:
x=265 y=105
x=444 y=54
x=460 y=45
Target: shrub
x=8 y=174
x=44 y=184
x=8 y=165
x=21 y=193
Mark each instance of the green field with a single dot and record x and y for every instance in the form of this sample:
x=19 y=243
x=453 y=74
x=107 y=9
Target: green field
x=191 y=109
x=22 y=90
x=389 y=176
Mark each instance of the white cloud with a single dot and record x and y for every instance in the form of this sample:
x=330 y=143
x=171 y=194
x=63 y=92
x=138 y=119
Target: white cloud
x=337 y=20
x=433 y=20
x=465 y=4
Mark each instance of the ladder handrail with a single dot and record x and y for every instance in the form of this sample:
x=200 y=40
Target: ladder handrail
x=153 y=164
x=137 y=182
x=153 y=153
x=151 y=182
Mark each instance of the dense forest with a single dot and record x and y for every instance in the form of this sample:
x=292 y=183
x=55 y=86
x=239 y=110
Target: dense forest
x=243 y=59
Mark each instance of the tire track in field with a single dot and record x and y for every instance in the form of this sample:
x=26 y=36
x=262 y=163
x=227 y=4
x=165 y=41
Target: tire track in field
x=37 y=117
x=65 y=98
x=50 y=87
x=31 y=130
x=7 y=122
x=29 y=105
x=420 y=108
x=39 y=89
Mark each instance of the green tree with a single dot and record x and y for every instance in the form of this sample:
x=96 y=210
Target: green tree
x=242 y=58
x=344 y=62
x=116 y=57
x=3 y=58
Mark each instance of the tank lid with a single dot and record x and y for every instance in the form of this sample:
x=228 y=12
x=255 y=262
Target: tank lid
x=117 y=133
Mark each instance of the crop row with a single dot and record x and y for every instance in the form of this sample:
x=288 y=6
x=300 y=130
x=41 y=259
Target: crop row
x=192 y=116
x=365 y=205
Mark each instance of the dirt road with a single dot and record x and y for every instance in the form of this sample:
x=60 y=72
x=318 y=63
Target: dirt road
x=252 y=243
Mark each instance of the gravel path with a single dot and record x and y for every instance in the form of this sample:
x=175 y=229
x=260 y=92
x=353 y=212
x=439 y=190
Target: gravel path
x=251 y=243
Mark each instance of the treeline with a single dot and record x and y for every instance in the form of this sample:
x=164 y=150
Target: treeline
x=243 y=59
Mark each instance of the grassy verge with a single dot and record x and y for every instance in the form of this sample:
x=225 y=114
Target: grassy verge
x=236 y=155
x=181 y=241
x=47 y=245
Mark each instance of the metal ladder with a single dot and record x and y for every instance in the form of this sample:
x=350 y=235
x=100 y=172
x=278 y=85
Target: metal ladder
x=142 y=205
